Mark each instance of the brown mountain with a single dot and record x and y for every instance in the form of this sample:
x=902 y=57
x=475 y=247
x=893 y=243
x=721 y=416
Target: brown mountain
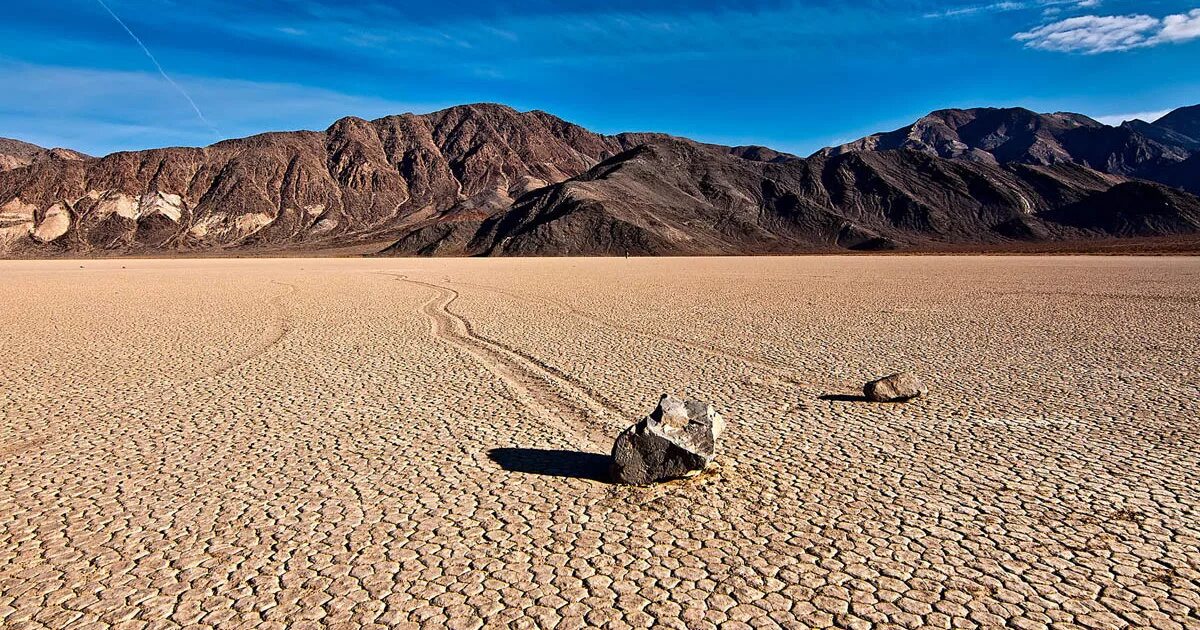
x=15 y=154
x=677 y=197
x=486 y=179
x=990 y=135
x=357 y=181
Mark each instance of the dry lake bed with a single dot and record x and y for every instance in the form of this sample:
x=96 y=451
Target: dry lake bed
x=243 y=443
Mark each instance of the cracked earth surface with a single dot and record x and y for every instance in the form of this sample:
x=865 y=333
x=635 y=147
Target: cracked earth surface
x=291 y=443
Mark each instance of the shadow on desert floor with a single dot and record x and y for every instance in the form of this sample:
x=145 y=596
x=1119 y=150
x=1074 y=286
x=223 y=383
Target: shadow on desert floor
x=844 y=398
x=554 y=463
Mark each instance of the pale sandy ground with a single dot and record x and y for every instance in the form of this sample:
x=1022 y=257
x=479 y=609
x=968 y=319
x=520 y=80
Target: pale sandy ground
x=400 y=442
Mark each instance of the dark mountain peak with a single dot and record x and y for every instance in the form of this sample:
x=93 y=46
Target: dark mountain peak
x=1018 y=135
x=1184 y=121
x=1009 y=115
x=984 y=134
x=758 y=153
x=961 y=115
x=1162 y=135
x=485 y=114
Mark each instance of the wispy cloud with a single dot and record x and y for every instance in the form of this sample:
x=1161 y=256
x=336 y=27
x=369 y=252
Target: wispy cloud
x=979 y=8
x=562 y=33
x=1048 y=6
x=1094 y=34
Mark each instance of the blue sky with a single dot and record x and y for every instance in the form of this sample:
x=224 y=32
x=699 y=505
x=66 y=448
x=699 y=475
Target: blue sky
x=791 y=75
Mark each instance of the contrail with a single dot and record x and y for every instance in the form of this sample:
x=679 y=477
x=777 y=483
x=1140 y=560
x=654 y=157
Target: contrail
x=199 y=114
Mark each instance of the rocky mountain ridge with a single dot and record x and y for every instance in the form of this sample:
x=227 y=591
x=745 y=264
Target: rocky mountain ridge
x=1005 y=135
x=16 y=154
x=488 y=180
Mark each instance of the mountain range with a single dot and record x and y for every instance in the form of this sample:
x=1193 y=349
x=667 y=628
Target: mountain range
x=488 y=180
x=15 y=154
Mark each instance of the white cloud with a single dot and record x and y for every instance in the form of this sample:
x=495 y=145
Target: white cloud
x=1117 y=119
x=1092 y=34
x=1180 y=28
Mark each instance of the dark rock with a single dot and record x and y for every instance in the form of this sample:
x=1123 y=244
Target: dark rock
x=677 y=439
x=895 y=388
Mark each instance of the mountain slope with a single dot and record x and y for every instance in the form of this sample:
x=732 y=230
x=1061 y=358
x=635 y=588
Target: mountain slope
x=16 y=154
x=488 y=180
x=676 y=197
x=1018 y=135
x=1132 y=209
x=356 y=181
x=1162 y=135
x=1184 y=121
x=1184 y=175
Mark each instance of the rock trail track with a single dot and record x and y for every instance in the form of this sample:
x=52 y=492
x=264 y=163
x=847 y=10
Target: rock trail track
x=546 y=391
x=384 y=443
x=277 y=326
x=780 y=371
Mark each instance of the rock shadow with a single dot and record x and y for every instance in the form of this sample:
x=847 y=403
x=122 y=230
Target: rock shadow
x=554 y=463
x=844 y=398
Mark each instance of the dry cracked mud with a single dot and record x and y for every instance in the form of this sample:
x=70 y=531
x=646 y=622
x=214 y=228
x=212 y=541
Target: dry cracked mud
x=271 y=443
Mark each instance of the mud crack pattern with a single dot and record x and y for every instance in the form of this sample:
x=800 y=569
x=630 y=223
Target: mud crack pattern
x=413 y=443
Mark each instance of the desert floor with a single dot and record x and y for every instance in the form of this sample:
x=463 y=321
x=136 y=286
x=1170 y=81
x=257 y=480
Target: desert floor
x=274 y=442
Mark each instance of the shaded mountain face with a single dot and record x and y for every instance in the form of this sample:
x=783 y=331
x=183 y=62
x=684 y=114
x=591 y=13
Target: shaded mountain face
x=488 y=180
x=15 y=154
x=1162 y=135
x=677 y=197
x=1184 y=122
x=1132 y=209
x=981 y=135
x=1185 y=175
x=1136 y=149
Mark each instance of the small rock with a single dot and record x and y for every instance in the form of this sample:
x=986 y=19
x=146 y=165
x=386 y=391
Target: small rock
x=679 y=438
x=895 y=388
